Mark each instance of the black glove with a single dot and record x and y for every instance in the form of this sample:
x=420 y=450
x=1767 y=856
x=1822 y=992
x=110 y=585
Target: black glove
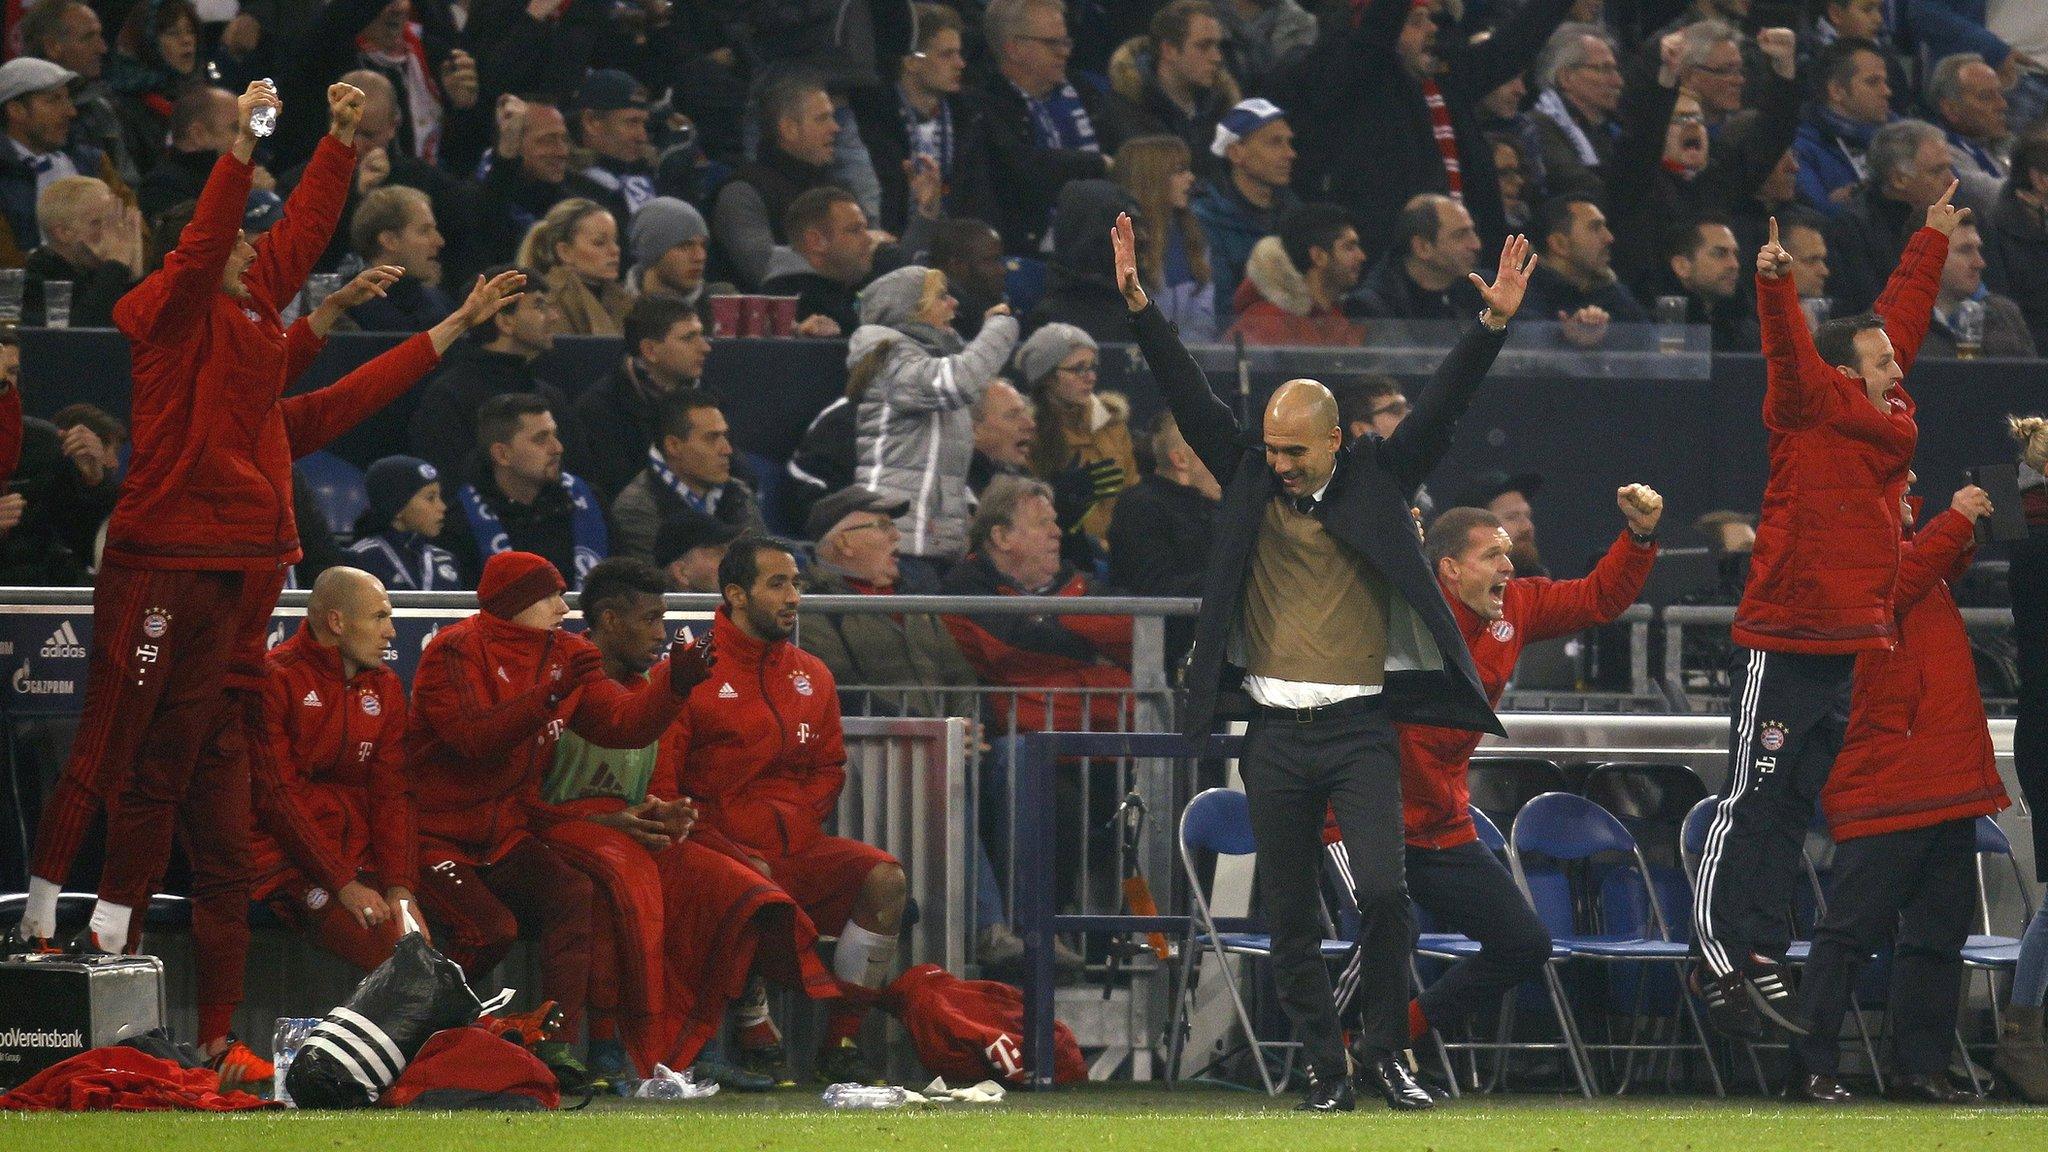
x=584 y=664
x=1081 y=487
x=688 y=667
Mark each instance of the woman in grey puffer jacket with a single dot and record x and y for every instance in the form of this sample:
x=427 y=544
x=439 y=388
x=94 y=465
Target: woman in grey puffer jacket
x=916 y=385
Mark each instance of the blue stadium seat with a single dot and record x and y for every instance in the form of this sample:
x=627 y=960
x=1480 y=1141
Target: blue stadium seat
x=338 y=489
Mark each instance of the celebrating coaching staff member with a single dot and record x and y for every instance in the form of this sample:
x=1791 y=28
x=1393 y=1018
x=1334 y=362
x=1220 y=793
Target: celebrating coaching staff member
x=1318 y=597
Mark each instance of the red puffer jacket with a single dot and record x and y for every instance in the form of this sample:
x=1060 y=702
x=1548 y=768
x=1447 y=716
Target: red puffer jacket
x=763 y=752
x=331 y=795
x=1827 y=542
x=481 y=734
x=1918 y=750
x=209 y=481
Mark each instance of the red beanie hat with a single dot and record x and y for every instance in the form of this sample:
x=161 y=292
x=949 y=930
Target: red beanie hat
x=515 y=581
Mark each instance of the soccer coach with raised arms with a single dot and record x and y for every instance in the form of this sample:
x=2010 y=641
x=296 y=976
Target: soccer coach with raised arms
x=1319 y=600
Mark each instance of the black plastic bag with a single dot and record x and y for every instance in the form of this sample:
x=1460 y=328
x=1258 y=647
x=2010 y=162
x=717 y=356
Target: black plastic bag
x=358 y=1050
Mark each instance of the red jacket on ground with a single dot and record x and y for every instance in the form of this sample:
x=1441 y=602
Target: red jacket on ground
x=330 y=790
x=482 y=733
x=209 y=479
x=762 y=750
x=1434 y=761
x=1827 y=542
x=1070 y=652
x=1918 y=749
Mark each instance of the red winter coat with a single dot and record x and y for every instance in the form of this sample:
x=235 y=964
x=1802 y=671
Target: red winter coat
x=481 y=734
x=330 y=789
x=1918 y=749
x=209 y=478
x=1071 y=652
x=762 y=750
x=1435 y=793
x=1827 y=542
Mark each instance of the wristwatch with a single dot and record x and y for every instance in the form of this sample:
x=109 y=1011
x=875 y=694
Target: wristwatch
x=1642 y=539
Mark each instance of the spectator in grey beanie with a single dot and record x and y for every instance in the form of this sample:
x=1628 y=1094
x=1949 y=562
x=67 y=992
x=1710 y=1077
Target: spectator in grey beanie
x=914 y=384
x=670 y=244
x=1084 y=436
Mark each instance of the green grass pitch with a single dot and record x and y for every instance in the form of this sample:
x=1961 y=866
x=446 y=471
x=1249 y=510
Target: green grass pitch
x=1090 y=1119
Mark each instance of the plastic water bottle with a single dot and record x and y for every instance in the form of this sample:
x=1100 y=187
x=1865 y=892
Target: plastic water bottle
x=864 y=1096
x=284 y=1047
x=263 y=121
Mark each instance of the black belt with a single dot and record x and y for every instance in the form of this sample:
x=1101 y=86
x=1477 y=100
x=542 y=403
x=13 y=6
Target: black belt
x=1351 y=706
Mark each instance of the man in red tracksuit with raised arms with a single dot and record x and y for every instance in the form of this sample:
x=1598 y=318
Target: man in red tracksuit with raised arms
x=1451 y=876
x=491 y=699
x=1820 y=591
x=198 y=547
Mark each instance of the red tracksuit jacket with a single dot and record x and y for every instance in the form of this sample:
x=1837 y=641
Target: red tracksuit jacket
x=209 y=478
x=1918 y=749
x=1827 y=542
x=1434 y=792
x=331 y=796
x=762 y=750
x=481 y=735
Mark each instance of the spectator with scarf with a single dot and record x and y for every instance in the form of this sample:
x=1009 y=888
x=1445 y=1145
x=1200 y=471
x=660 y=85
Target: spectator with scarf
x=1854 y=101
x=520 y=499
x=923 y=117
x=441 y=118
x=155 y=57
x=688 y=474
x=1043 y=130
x=395 y=535
x=1579 y=90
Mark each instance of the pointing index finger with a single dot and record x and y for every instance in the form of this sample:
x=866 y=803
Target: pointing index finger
x=1948 y=193
x=1774 y=229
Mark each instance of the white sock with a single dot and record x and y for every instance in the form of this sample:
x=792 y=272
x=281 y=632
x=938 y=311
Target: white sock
x=39 y=918
x=863 y=957
x=110 y=925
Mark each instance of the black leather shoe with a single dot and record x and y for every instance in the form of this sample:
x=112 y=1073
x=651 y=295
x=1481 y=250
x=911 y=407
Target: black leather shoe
x=1388 y=1075
x=1818 y=1089
x=1920 y=1088
x=1328 y=1096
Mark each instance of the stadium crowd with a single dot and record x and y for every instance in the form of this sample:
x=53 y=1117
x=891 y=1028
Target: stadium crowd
x=935 y=183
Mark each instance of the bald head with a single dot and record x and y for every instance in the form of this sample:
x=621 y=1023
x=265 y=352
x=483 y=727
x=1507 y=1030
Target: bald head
x=1302 y=436
x=348 y=609
x=339 y=590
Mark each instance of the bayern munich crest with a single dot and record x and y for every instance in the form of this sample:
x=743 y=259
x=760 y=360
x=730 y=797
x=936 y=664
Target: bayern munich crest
x=1771 y=736
x=802 y=683
x=155 y=623
x=1502 y=630
x=316 y=898
x=371 y=705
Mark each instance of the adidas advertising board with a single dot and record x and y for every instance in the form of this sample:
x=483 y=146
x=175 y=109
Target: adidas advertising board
x=44 y=649
x=54 y=1007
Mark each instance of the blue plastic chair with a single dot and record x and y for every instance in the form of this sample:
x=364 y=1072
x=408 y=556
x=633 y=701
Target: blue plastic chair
x=1450 y=947
x=1572 y=830
x=1987 y=952
x=1023 y=285
x=1218 y=820
x=338 y=488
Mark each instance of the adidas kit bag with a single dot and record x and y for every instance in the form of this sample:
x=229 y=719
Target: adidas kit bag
x=358 y=1050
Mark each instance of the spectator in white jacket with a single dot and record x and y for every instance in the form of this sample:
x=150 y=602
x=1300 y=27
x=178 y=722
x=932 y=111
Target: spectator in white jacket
x=915 y=383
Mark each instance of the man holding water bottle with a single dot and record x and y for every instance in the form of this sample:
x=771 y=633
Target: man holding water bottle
x=197 y=550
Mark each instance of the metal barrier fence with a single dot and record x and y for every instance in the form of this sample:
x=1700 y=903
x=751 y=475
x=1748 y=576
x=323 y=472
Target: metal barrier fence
x=1692 y=687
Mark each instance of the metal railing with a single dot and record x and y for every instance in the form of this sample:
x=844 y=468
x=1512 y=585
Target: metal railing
x=1679 y=678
